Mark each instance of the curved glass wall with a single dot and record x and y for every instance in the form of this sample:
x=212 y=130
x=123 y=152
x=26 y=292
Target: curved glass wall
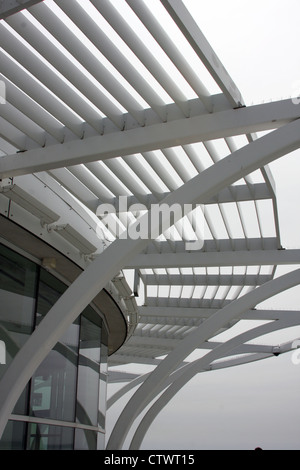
x=63 y=406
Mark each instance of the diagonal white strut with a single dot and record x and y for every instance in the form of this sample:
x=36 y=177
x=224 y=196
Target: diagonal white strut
x=118 y=254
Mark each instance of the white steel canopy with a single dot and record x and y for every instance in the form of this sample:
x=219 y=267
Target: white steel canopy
x=125 y=100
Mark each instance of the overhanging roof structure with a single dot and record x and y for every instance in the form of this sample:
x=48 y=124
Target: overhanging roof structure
x=106 y=102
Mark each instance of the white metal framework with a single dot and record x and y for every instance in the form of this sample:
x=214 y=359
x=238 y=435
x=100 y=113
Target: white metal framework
x=107 y=100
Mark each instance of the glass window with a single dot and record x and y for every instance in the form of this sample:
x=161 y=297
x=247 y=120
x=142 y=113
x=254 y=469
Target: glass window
x=103 y=387
x=46 y=437
x=67 y=384
x=89 y=368
x=85 y=439
x=14 y=436
x=53 y=388
x=18 y=284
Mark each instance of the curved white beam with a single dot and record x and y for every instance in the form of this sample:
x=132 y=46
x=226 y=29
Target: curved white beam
x=189 y=371
x=286 y=317
x=148 y=390
x=252 y=350
x=129 y=386
x=119 y=253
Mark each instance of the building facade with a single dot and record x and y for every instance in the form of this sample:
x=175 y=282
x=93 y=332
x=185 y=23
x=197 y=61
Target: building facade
x=63 y=406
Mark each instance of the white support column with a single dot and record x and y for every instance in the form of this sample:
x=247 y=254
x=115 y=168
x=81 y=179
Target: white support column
x=187 y=372
x=119 y=253
x=152 y=385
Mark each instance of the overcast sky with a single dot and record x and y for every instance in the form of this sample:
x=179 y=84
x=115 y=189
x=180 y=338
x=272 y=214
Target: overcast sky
x=258 y=404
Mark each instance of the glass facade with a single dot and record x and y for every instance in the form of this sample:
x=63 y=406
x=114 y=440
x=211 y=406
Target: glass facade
x=63 y=405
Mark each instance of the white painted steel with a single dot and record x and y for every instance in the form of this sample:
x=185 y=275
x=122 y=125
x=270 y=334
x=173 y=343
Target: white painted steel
x=32 y=110
x=85 y=57
x=117 y=255
x=188 y=371
x=234 y=258
x=97 y=115
x=148 y=390
x=50 y=103
x=189 y=27
x=116 y=20
x=112 y=53
x=153 y=137
x=167 y=314
x=50 y=79
x=183 y=65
